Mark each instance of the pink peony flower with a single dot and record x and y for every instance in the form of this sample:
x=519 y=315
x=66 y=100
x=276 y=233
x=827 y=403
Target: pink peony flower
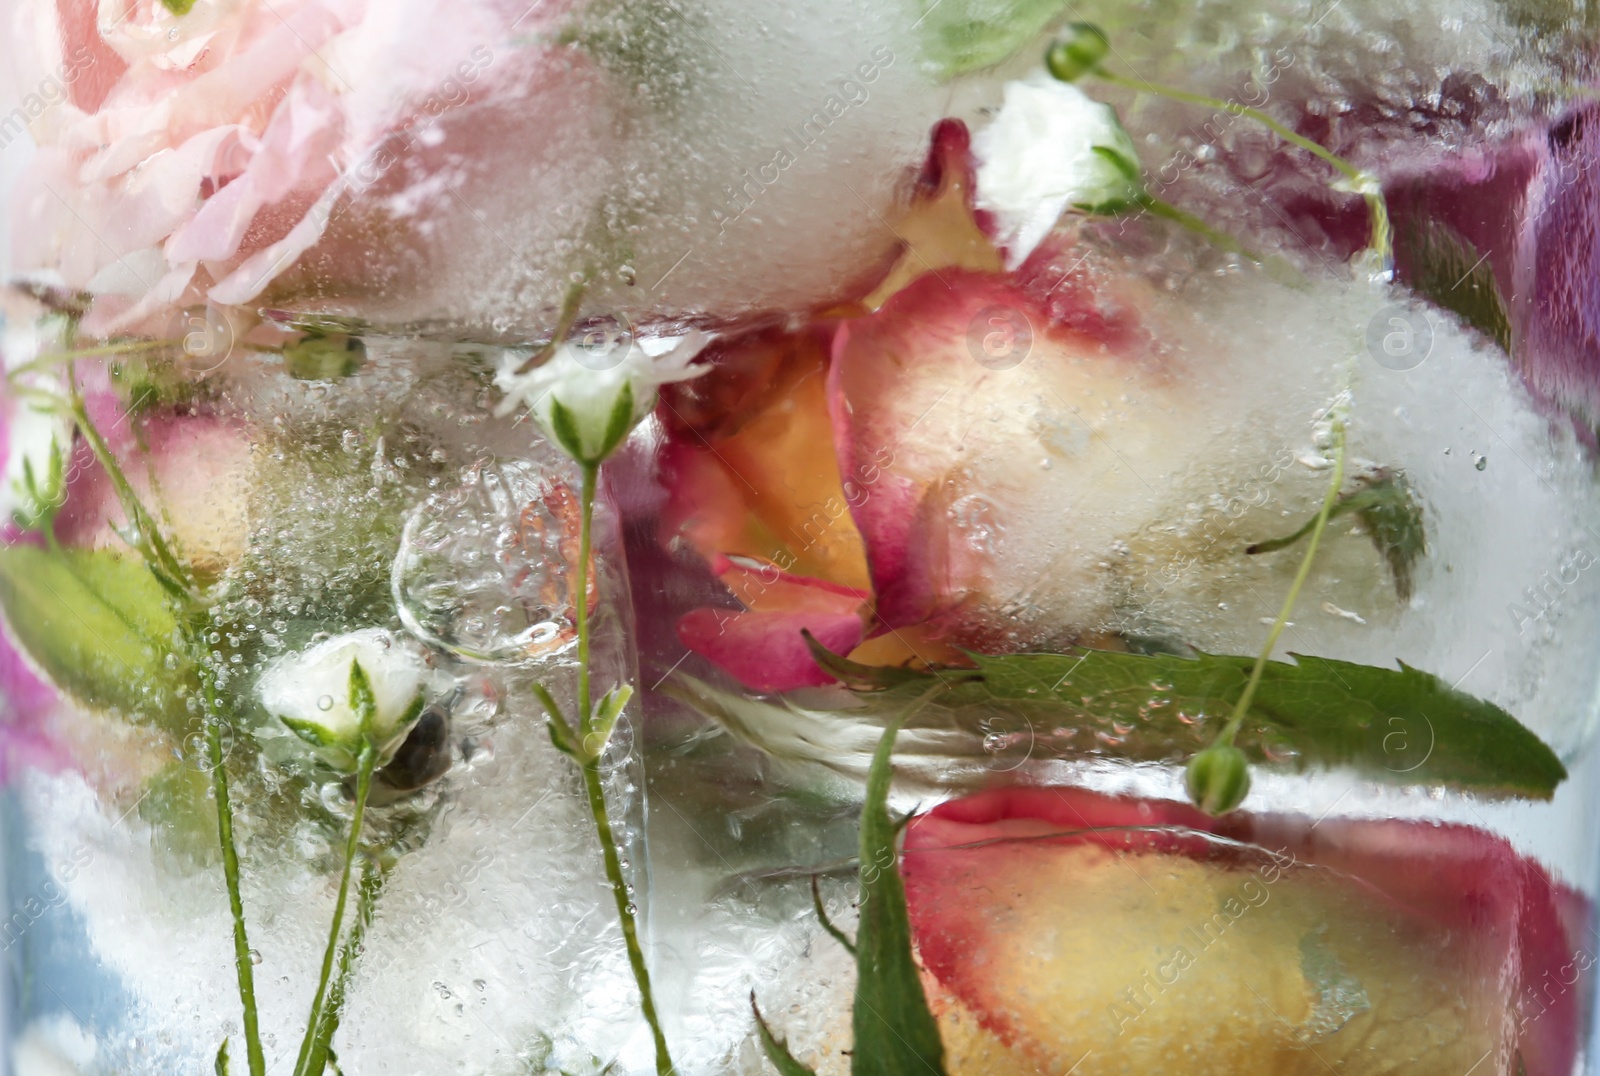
x=1076 y=927
x=182 y=156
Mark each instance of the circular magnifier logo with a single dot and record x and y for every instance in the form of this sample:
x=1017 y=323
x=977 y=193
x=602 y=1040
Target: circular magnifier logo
x=1399 y=337
x=602 y=343
x=999 y=337
x=204 y=336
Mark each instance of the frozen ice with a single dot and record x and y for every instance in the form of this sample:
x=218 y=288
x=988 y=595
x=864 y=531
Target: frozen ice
x=485 y=570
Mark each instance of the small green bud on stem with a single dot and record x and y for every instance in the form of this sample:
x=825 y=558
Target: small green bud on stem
x=1218 y=779
x=1077 y=52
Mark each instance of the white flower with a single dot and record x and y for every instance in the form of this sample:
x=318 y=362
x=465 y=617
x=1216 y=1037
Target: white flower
x=1039 y=156
x=589 y=384
x=311 y=692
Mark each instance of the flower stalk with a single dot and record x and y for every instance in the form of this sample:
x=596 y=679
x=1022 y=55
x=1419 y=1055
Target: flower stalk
x=586 y=746
x=1218 y=778
x=366 y=763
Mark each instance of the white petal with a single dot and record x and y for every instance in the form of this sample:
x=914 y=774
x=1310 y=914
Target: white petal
x=1038 y=157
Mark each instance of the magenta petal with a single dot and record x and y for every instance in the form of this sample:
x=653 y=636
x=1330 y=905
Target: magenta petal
x=765 y=651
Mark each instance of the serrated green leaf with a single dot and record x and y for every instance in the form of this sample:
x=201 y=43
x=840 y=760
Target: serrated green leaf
x=1448 y=270
x=967 y=35
x=100 y=626
x=895 y=1032
x=1401 y=725
x=776 y=1049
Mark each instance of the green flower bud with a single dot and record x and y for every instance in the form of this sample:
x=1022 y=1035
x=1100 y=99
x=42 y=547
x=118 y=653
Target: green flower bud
x=324 y=357
x=1218 y=779
x=1078 y=51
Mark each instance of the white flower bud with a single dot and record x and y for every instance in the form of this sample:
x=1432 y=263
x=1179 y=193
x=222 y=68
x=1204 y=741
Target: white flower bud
x=321 y=698
x=587 y=401
x=1051 y=146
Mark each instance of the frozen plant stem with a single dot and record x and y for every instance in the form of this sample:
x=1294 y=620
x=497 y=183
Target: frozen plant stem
x=1328 y=500
x=230 y=872
x=594 y=785
x=1381 y=239
x=365 y=764
x=176 y=579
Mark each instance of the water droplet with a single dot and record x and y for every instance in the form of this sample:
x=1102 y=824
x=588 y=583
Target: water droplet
x=255 y=956
x=480 y=985
x=633 y=909
x=325 y=703
x=1479 y=462
x=172 y=34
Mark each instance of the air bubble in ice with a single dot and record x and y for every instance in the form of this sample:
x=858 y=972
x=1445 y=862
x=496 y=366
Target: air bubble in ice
x=484 y=568
x=325 y=702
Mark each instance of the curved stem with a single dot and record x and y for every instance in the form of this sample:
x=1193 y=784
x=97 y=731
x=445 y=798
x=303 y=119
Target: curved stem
x=230 y=872
x=364 y=767
x=1377 y=208
x=150 y=543
x=630 y=932
x=1167 y=211
x=1321 y=525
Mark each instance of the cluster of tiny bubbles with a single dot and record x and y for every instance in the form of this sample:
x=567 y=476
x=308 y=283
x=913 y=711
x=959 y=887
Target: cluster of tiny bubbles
x=484 y=570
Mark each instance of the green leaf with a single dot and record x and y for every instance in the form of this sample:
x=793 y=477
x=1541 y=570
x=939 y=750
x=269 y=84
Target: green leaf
x=362 y=701
x=967 y=35
x=1401 y=725
x=179 y=8
x=776 y=1049
x=1448 y=270
x=334 y=750
x=561 y=733
x=221 y=1066
x=620 y=422
x=101 y=627
x=565 y=428
x=177 y=805
x=1392 y=517
x=894 y=1030
x=607 y=711
x=827 y=924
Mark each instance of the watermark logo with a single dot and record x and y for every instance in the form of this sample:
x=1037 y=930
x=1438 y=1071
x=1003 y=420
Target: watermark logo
x=601 y=344
x=999 y=337
x=1399 y=337
x=205 y=338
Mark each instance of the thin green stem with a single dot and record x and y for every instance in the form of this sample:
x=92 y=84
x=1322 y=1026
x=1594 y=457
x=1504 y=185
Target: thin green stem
x=150 y=544
x=591 y=476
x=595 y=788
x=1328 y=499
x=230 y=872
x=1167 y=211
x=58 y=358
x=366 y=762
x=1377 y=209
x=373 y=875
x=593 y=784
x=570 y=304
